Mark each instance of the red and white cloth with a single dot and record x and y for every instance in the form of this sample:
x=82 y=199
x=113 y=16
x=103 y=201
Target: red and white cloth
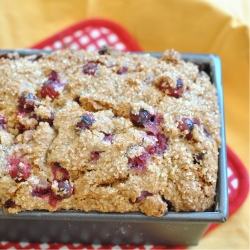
x=91 y=35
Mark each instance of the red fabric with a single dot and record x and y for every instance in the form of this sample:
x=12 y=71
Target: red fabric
x=238 y=184
x=91 y=35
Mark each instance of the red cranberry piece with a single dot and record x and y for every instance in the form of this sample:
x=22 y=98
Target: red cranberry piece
x=41 y=190
x=206 y=133
x=3 y=122
x=7 y=56
x=21 y=128
x=94 y=156
x=197 y=121
x=142 y=118
x=122 y=70
x=153 y=125
x=9 y=204
x=22 y=114
x=160 y=146
x=143 y=196
x=187 y=124
x=86 y=122
x=198 y=158
x=138 y=163
x=19 y=170
x=4 y=55
x=49 y=120
x=174 y=92
x=65 y=188
x=26 y=102
x=59 y=173
x=108 y=137
x=49 y=88
x=90 y=68
x=36 y=58
x=45 y=192
x=54 y=76
x=146 y=120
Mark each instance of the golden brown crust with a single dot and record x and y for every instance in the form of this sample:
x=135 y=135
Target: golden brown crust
x=121 y=132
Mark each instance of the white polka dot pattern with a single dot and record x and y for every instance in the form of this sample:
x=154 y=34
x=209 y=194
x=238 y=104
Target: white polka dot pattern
x=89 y=38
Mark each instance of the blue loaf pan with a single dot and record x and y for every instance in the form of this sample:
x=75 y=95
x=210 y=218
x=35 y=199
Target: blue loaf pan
x=173 y=229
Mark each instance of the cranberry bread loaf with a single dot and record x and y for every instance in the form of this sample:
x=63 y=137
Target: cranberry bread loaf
x=107 y=131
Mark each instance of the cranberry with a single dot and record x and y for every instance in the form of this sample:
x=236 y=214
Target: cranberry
x=54 y=76
x=66 y=188
x=86 y=122
x=122 y=70
x=138 y=163
x=90 y=68
x=21 y=128
x=143 y=196
x=36 y=58
x=174 y=92
x=3 y=122
x=153 y=126
x=59 y=173
x=9 y=204
x=146 y=120
x=49 y=120
x=23 y=115
x=187 y=124
x=108 y=137
x=25 y=109
x=160 y=146
x=49 y=88
x=26 y=116
x=198 y=158
x=4 y=55
x=206 y=133
x=142 y=118
x=26 y=102
x=41 y=190
x=94 y=156
x=45 y=192
x=19 y=170
x=7 y=56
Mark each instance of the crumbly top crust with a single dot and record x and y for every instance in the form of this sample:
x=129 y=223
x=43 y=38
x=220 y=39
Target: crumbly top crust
x=107 y=131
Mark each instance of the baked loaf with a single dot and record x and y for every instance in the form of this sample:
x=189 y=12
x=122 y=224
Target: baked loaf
x=107 y=131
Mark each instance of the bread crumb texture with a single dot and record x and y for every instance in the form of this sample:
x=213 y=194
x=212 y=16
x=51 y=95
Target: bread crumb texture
x=107 y=131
